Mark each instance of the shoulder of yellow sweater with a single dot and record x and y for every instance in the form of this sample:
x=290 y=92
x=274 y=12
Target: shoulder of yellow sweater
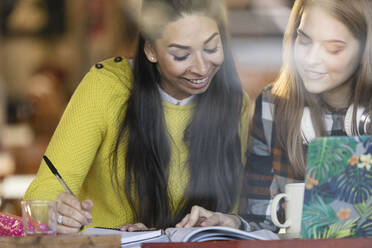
x=113 y=71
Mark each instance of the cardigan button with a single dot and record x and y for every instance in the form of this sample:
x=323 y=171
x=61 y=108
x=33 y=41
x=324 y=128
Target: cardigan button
x=118 y=59
x=99 y=66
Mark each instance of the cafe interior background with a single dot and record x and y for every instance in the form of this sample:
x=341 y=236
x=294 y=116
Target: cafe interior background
x=46 y=46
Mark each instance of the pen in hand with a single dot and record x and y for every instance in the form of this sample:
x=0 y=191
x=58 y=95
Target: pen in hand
x=55 y=172
x=60 y=179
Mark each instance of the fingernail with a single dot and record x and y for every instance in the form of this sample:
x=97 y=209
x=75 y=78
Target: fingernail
x=88 y=215
x=88 y=222
x=89 y=218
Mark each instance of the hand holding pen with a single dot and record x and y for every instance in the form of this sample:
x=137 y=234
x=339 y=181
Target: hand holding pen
x=72 y=214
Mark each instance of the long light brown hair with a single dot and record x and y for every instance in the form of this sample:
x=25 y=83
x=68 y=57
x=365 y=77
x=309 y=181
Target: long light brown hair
x=290 y=95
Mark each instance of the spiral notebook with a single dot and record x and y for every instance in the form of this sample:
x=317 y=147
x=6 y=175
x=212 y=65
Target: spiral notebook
x=338 y=188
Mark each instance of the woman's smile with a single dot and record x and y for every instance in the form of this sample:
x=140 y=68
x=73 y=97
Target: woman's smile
x=198 y=83
x=314 y=75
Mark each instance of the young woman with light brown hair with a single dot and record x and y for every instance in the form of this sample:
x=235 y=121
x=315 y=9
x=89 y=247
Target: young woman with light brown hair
x=324 y=89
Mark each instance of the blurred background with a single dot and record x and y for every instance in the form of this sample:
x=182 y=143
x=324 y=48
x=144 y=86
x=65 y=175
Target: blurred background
x=46 y=46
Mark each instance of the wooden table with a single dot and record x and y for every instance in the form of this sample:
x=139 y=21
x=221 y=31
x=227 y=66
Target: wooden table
x=301 y=243
x=62 y=241
x=111 y=241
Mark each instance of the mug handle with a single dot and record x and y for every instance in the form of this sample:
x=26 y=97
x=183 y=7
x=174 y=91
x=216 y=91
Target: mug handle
x=273 y=212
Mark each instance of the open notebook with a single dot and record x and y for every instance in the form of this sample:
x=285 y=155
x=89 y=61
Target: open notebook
x=193 y=234
x=338 y=188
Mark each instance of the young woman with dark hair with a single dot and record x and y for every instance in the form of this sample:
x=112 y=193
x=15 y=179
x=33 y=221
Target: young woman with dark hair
x=147 y=144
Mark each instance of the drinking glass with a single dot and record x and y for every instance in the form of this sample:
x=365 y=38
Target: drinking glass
x=39 y=217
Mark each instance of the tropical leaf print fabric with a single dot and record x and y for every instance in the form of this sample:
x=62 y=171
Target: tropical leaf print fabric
x=338 y=188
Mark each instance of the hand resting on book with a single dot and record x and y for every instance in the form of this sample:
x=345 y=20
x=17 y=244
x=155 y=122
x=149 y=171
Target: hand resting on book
x=199 y=216
x=134 y=227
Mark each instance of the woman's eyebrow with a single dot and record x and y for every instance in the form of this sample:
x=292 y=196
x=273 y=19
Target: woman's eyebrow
x=179 y=46
x=211 y=37
x=301 y=32
x=335 y=41
x=188 y=47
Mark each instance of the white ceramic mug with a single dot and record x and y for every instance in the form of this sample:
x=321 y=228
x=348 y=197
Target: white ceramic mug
x=294 y=197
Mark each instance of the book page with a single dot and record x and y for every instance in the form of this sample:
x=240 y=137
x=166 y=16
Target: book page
x=126 y=237
x=199 y=234
x=178 y=234
x=162 y=239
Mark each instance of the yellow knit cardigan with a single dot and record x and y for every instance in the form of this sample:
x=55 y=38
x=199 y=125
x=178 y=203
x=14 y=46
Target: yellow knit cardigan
x=84 y=138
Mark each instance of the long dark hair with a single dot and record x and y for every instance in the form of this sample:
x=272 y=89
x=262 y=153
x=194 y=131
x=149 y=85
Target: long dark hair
x=212 y=136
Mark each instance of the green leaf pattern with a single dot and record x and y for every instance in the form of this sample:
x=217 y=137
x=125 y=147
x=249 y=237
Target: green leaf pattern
x=338 y=188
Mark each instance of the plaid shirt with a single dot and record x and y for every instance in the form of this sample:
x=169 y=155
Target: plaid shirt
x=268 y=169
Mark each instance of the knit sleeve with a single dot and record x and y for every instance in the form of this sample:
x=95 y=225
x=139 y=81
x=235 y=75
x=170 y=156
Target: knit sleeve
x=78 y=136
